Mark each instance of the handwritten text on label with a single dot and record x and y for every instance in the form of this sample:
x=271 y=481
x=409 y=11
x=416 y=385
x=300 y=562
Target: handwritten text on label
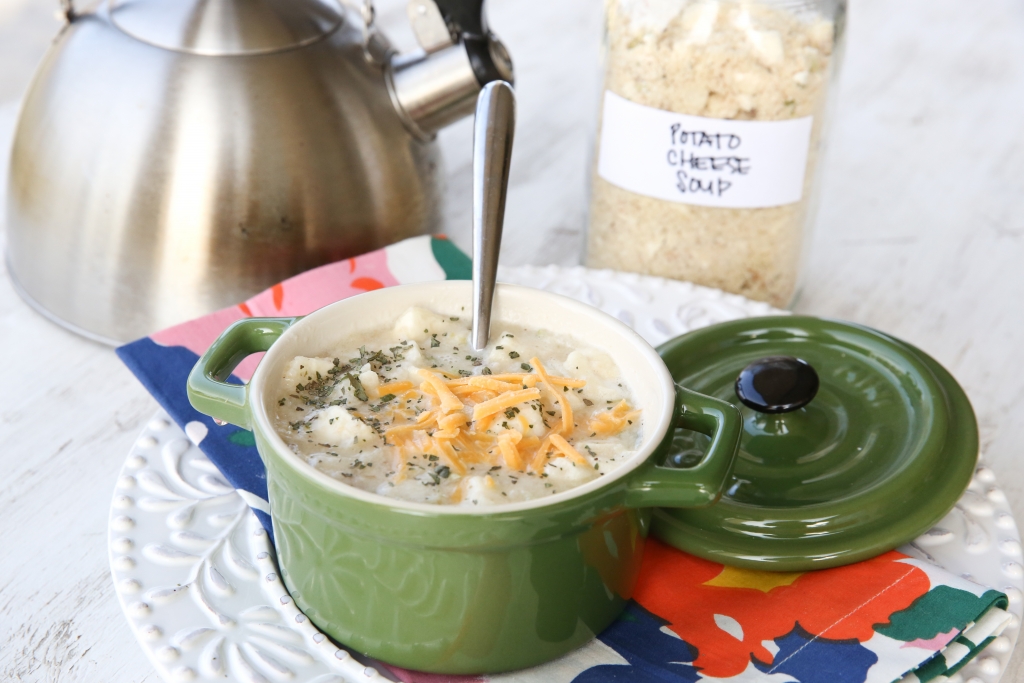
x=702 y=161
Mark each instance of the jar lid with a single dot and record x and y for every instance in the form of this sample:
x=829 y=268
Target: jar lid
x=853 y=444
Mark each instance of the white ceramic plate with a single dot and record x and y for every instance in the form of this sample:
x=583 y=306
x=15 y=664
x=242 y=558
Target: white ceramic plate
x=195 y=573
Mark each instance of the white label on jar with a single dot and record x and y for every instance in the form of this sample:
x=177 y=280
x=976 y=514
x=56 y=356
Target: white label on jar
x=697 y=160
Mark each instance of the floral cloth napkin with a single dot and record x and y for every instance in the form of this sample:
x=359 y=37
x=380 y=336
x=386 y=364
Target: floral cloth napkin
x=889 y=618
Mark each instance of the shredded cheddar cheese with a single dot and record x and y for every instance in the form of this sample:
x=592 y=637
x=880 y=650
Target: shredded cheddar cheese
x=613 y=421
x=567 y=450
x=446 y=429
x=452 y=421
x=494 y=385
x=509 y=452
x=563 y=403
x=506 y=400
x=443 y=448
x=521 y=378
x=540 y=458
x=449 y=401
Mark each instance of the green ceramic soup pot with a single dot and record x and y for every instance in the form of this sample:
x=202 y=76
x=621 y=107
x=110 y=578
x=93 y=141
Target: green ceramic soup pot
x=447 y=588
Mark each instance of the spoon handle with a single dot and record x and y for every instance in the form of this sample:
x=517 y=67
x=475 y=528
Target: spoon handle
x=493 y=131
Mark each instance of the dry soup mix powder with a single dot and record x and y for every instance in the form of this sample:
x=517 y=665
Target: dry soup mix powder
x=415 y=413
x=709 y=135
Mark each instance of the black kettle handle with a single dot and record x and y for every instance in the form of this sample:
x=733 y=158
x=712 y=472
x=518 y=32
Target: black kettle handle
x=465 y=19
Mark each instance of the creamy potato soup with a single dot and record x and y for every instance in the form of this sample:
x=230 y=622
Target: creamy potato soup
x=416 y=414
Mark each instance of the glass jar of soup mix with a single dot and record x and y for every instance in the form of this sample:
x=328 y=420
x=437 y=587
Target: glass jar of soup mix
x=709 y=137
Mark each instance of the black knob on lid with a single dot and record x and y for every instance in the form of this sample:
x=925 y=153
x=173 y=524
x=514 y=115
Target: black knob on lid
x=777 y=384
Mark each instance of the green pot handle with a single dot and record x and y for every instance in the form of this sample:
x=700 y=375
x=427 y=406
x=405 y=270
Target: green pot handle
x=701 y=485
x=208 y=392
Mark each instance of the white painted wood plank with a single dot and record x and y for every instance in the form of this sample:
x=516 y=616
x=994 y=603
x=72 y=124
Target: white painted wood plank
x=68 y=413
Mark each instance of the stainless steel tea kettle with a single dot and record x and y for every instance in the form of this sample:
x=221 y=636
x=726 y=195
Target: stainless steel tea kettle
x=177 y=156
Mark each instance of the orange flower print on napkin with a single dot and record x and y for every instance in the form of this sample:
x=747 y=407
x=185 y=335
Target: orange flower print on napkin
x=727 y=613
x=297 y=295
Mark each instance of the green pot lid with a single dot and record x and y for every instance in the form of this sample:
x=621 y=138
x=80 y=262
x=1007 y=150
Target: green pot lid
x=854 y=443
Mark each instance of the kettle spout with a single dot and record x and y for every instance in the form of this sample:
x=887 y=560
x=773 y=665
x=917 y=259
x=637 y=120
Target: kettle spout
x=438 y=84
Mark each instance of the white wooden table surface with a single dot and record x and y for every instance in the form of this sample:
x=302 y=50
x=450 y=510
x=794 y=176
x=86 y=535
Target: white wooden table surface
x=921 y=234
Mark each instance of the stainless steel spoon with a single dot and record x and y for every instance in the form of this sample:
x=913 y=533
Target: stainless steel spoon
x=493 y=131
